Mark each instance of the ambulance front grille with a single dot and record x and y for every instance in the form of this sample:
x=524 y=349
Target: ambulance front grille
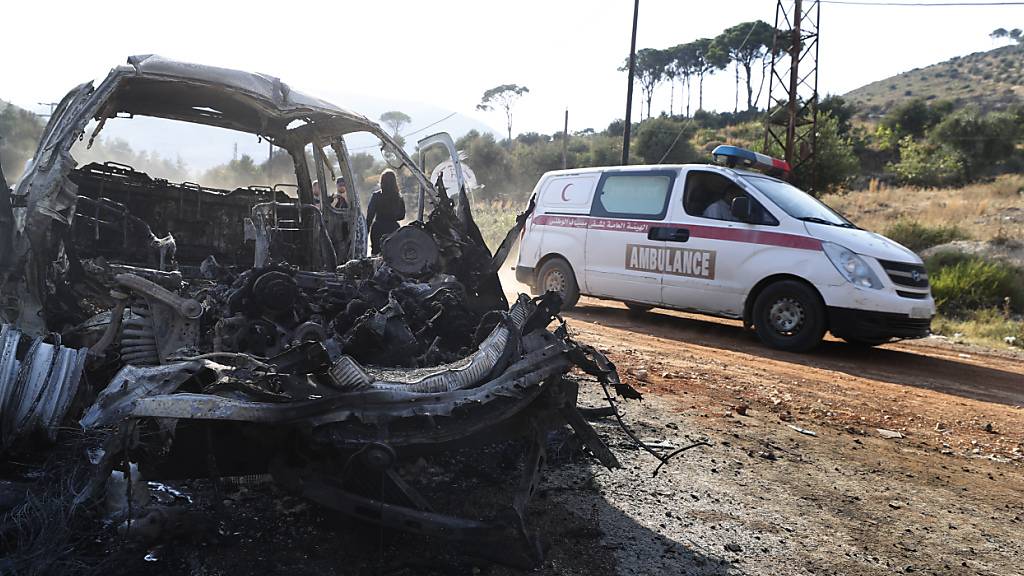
x=904 y=274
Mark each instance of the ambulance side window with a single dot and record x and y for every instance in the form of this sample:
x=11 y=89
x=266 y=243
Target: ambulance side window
x=709 y=195
x=638 y=195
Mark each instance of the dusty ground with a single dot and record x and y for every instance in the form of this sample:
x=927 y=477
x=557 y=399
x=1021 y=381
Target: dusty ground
x=945 y=499
x=765 y=498
x=942 y=396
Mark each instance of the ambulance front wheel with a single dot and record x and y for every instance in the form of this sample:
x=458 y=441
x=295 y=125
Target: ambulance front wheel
x=789 y=315
x=557 y=276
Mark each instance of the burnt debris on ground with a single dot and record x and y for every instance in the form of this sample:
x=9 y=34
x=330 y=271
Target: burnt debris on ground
x=169 y=332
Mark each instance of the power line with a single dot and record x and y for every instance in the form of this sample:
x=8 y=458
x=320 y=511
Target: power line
x=429 y=125
x=673 y=144
x=919 y=4
x=417 y=131
x=747 y=37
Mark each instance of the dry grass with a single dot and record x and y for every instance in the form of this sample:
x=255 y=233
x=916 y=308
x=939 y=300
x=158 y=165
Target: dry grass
x=988 y=327
x=49 y=531
x=495 y=218
x=985 y=211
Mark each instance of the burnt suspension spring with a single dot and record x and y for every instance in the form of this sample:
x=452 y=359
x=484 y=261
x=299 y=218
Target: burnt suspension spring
x=138 y=336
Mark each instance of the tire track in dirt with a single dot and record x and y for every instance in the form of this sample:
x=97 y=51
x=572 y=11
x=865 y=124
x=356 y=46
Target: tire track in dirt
x=942 y=398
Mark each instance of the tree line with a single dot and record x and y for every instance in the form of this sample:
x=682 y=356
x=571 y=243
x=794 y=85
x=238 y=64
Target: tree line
x=920 y=142
x=745 y=45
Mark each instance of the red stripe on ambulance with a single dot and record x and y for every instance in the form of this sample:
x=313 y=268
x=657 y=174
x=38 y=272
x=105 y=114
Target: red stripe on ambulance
x=696 y=231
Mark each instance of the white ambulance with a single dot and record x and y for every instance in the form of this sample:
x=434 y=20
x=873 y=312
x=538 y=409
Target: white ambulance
x=727 y=241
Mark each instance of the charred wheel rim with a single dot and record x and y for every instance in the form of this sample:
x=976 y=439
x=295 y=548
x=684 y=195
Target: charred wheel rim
x=787 y=316
x=555 y=281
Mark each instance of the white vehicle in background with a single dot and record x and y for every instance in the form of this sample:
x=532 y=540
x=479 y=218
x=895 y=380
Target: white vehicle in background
x=724 y=241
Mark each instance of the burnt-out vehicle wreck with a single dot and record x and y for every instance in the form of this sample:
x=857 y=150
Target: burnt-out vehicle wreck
x=244 y=331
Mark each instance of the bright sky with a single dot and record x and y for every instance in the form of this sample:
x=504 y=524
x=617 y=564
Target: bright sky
x=445 y=54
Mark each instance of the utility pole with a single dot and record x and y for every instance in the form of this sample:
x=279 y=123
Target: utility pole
x=736 y=106
x=792 y=117
x=629 y=88
x=794 y=79
x=565 y=141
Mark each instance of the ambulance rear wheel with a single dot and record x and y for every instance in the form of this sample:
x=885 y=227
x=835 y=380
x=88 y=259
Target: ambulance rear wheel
x=557 y=276
x=789 y=315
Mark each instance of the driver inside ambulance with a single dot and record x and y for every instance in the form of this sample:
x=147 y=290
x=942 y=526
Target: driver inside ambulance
x=721 y=209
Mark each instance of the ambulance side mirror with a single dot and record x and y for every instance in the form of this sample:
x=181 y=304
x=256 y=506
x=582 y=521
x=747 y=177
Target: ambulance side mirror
x=742 y=208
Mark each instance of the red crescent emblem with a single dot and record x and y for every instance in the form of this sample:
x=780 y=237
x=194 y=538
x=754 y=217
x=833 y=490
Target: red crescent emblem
x=564 y=199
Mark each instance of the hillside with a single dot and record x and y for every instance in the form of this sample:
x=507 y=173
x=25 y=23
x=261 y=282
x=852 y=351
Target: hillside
x=991 y=80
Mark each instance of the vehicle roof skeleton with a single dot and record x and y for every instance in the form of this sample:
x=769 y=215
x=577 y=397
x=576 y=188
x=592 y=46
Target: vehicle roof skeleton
x=249 y=102
x=154 y=86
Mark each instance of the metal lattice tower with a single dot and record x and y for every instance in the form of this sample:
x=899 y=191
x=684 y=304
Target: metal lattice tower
x=792 y=119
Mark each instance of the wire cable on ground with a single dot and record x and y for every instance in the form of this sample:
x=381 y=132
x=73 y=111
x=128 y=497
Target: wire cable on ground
x=618 y=417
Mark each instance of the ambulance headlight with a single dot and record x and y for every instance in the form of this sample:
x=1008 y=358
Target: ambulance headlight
x=851 y=266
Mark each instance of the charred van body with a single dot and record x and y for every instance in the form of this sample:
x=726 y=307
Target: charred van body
x=245 y=331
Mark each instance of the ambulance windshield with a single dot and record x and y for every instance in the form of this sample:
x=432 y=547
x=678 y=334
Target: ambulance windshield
x=797 y=203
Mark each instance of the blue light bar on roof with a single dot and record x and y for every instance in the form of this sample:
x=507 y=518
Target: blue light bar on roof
x=733 y=156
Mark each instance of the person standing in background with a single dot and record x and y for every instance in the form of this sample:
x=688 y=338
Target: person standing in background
x=339 y=201
x=316 y=194
x=385 y=209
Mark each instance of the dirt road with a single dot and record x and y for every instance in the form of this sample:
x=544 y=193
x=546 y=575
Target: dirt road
x=946 y=498
x=965 y=400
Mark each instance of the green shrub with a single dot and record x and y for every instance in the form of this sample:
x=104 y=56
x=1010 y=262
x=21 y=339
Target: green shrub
x=981 y=140
x=946 y=259
x=885 y=138
x=703 y=136
x=836 y=162
x=662 y=140
x=604 y=150
x=914 y=117
x=973 y=283
x=927 y=164
x=919 y=237
x=494 y=219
